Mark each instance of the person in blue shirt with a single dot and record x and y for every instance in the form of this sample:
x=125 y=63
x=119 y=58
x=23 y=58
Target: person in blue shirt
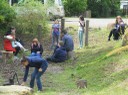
x=55 y=33
x=59 y=55
x=118 y=30
x=34 y=60
x=68 y=41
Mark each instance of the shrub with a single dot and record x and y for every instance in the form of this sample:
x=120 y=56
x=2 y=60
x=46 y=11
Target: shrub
x=29 y=16
x=7 y=14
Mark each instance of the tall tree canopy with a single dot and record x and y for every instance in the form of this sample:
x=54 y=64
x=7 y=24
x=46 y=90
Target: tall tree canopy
x=74 y=7
x=7 y=14
x=104 y=8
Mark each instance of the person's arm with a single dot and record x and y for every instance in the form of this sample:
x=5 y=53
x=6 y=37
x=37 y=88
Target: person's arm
x=82 y=23
x=8 y=37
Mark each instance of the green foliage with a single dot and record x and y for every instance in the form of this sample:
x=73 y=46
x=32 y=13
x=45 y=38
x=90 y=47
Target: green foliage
x=29 y=16
x=104 y=8
x=7 y=14
x=74 y=7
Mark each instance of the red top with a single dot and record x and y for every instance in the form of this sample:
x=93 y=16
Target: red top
x=8 y=45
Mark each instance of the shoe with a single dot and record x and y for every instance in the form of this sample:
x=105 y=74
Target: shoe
x=109 y=39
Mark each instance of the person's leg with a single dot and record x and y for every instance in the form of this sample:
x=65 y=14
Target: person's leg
x=57 y=39
x=53 y=41
x=110 y=34
x=21 y=46
x=33 y=76
x=79 y=38
x=52 y=59
x=17 y=51
x=39 y=84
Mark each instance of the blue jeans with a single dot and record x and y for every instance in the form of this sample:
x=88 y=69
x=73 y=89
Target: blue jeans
x=80 y=35
x=36 y=74
x=55 y=38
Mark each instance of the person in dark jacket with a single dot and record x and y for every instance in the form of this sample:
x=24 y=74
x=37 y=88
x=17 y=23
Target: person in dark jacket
x=118 y=30
x=36 y=46
x=40 y=65
x=68 y=41
x=59 y=55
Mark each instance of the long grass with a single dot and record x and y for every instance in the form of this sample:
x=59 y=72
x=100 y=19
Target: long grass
x=105 y=76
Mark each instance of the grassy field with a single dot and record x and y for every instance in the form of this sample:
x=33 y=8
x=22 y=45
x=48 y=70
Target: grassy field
x=104 y=75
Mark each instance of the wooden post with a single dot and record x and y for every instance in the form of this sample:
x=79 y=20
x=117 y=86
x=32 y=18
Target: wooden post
x=39 y=32
x=62 y=23
x=10 y=2
x=86 y=33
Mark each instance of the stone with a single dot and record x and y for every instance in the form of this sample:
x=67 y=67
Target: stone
x=125 y=40
x=15 y=90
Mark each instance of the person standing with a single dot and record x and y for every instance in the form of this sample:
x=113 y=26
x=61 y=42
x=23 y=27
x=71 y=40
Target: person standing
x=40 y=66
x=81 y=25
x=55 y=33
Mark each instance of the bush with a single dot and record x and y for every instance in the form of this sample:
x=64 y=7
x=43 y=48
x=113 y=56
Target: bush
x=7 y=14
x=29 y=16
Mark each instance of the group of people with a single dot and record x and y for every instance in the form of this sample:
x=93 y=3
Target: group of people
x=62 y=44
x=11 y=43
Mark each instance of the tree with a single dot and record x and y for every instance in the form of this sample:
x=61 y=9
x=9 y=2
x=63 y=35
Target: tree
x=30 y=15
x=103 y=8
x=7 y=14
x=74 y=7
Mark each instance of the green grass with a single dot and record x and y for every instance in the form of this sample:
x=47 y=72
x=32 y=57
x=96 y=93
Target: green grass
x=105 y=76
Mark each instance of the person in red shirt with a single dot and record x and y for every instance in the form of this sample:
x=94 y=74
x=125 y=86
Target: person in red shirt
x=8 y=38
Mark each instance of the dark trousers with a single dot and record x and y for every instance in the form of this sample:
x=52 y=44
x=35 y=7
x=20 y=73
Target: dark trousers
x=115 y=34
x=17 y=51
x=52 y=59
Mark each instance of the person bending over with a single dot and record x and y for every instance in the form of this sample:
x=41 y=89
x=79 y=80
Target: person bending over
x=40 y=66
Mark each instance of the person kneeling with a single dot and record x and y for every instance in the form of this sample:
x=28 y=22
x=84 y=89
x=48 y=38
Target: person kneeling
x=59 y=55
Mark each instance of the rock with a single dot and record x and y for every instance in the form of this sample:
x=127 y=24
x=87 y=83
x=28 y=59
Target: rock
x=15 y=90
x=125 y=40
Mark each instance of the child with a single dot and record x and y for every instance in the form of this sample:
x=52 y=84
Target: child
x=16 y=43
x=55 y=33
